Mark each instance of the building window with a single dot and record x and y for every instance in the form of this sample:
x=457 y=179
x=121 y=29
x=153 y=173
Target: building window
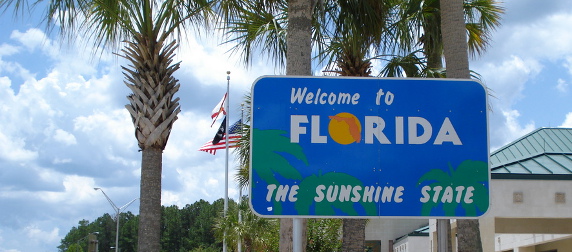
x=372 y=246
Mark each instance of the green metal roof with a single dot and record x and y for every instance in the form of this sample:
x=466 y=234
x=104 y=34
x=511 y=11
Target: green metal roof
x=422 y=231
x=542 y=151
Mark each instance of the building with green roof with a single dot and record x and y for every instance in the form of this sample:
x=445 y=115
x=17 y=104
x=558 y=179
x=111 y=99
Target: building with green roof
x=531 y=189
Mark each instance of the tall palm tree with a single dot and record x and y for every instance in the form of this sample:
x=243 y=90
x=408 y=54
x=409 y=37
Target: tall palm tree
x=468 y=231
x=150 y=30
x=298 y=62
x=349 y=53
x=421 y=23
x=356 y=33
x=254 y=18
x=152 y=107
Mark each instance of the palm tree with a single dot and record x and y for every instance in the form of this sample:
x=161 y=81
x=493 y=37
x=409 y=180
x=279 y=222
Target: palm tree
x=424 y=16
x=255 y=233
x=419 y=25
x=298 y=62
x=297 y=49
x=150 y=30
x=349 y=54
x=454 y=38
x=357 y=32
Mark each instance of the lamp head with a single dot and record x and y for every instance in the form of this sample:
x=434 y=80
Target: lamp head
x=96 y=188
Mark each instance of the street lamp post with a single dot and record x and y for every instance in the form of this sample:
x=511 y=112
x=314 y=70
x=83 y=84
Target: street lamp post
x=117 y=212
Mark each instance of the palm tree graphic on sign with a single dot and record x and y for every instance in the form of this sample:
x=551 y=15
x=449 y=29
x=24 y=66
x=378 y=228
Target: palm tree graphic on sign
x=463 y=186
x=272 y=147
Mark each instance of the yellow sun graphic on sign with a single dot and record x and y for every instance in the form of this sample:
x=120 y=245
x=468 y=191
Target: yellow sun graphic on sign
x=345 y=128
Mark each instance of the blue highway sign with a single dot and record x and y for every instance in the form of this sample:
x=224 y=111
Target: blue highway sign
x=369 y=147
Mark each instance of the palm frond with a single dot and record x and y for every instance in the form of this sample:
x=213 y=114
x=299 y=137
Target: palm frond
x=259 y=30
x=482 y=17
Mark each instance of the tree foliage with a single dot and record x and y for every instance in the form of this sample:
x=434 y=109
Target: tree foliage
x=324 y=235
x=104 y=228
x=182 y=229
x=199 y=227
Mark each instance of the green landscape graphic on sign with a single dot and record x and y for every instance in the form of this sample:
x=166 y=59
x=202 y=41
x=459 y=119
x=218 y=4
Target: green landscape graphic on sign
x=441 y=189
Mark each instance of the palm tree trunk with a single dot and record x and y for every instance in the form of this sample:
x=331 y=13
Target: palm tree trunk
x=457 y=62
x=299 y=37
x=150 y=208
x=353 y=235
x=469 y=236
x=454 y=39
x=433 y=48
x=434 y=59
x=298 y=62
x=286 y=234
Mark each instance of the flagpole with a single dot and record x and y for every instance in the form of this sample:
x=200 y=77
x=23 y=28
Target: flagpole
x=240 y=187
x=224 y=247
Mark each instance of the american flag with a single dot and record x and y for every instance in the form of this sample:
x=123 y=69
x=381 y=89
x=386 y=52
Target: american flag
x=219 y=141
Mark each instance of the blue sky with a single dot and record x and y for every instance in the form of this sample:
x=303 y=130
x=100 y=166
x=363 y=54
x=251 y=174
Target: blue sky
x=64 y=129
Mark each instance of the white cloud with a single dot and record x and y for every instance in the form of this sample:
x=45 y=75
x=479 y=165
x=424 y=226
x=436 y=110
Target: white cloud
x=6 y=50
x=77 y=190
x=213 y=182
x=509 y=129
x=568 y=64
x=170 y=198
x=46 y=163
x=36 y=234
x=110 y=126
x=64 y=137
x=546 y=37
x=113 y=134
x=514 y=127
x=526 y=50
x=568 y=121
x=14 y=149
x=32 y=39
x=16 y=69
x=507 y=79
x=213 y=62
x=562 y=86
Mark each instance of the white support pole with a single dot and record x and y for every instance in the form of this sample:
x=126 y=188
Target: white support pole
x=224 y=247
x=297 y=235
x=442 y=237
